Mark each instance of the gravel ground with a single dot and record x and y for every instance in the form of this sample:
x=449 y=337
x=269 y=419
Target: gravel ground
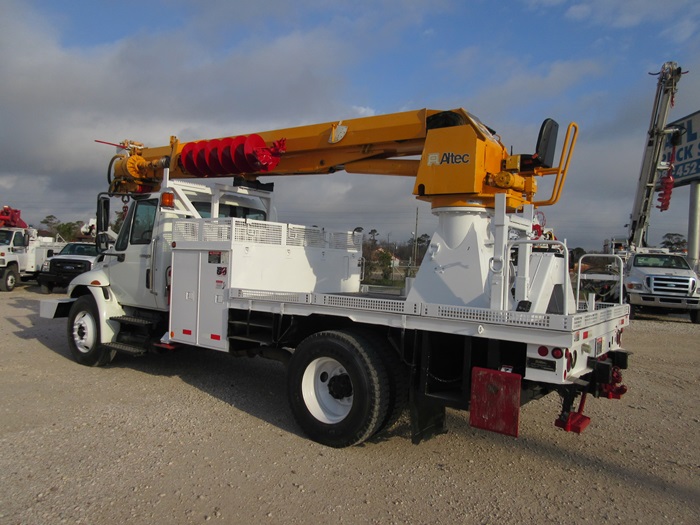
x=197 y=436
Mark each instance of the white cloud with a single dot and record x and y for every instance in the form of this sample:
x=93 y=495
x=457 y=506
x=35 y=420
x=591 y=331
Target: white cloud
x=631 y=13
x=238 y=68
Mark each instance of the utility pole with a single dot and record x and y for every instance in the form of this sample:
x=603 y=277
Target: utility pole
x=415 y=242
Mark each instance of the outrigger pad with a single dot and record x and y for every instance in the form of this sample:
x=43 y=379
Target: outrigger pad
x=576 y=422
x=495 y=401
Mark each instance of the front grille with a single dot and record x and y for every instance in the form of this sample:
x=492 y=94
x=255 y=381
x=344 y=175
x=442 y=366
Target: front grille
x=68 y=266
x=669 y=285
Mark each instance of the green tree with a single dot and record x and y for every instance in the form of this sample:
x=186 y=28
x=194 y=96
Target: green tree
x=69 y=231
x=674 y=242
x=384 y=260
x=51 y=223
x=373 y=235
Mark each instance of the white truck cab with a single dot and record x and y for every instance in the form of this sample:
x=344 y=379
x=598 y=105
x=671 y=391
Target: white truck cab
x=659 y=280
x=22 y=253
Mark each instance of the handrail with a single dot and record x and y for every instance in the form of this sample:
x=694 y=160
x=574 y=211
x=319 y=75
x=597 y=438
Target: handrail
x=597 y=277
x=511 y=244
x=563 y=168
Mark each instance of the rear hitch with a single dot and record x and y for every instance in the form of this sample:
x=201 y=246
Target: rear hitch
x=615 y=389
x=606 y=381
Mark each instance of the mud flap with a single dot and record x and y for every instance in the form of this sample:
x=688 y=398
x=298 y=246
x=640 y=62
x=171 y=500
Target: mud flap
x=427 y=418
x=495 y=401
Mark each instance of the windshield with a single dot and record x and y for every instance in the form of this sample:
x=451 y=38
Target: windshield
x=661 y=261
x=79 y=249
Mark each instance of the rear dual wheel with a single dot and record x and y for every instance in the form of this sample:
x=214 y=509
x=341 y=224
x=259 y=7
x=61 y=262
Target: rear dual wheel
x=340 y=390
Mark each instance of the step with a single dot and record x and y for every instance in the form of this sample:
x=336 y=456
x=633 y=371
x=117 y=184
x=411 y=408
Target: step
x=125 y=348
x=136 y=321
x=253 y=323
x=263 y=339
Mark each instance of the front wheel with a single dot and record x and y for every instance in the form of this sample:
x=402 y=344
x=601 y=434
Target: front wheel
x=338 y=388
x=695 y=316
x=9 y=280
x=84 y=334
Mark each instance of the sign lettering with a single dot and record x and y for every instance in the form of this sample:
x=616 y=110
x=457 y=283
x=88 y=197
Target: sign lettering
x=686 y=163
x=437 y=159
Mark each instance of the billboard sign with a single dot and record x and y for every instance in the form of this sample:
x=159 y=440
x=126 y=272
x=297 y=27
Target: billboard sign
x=686 y=164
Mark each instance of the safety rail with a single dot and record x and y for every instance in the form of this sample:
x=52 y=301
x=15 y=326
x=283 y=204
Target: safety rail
x=537 y=242
x=601 y=277
x=262 y=232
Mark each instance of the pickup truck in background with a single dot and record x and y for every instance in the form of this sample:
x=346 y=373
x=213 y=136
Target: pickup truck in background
x=75 y=258
x=660 y=281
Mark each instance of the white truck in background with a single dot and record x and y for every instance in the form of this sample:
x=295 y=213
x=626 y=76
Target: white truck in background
x=22 y=250
x=659 y=281
x=655 y=279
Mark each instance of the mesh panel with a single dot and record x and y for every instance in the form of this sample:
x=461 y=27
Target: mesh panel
x=259 y=232
x=217 y=231
x=302 y=236
x=345 y=241
x=282 y=297
x=185 y=230
x=493 y=316
x=363 y=303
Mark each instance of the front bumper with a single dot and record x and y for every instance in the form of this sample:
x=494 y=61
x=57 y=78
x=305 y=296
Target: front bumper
x=62 y=280
x=55 y=308
x=664 y=301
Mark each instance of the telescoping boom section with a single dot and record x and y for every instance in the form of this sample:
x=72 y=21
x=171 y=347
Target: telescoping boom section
x=491 y=320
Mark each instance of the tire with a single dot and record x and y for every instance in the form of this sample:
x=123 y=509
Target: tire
x=84 y=334
x=633 y=313
x=338 y=388
x=46 y=288
x=695 y=316
x=399 y=379
x=9 y=279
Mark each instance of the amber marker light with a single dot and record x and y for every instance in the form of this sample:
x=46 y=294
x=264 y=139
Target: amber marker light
x=167 y=200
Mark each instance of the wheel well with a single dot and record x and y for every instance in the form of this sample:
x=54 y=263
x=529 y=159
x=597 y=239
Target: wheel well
x=79 y=291
x=312 y=324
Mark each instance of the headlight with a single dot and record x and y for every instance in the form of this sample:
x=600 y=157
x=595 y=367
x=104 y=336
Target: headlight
x=45 y=266
x=634 y=286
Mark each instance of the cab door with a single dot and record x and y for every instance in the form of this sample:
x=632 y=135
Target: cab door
x=131 y=273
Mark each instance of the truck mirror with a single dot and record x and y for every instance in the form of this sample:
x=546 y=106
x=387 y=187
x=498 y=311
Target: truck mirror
x=102 y=213
x=25 y=240
x=102 y=242
x=547 y=142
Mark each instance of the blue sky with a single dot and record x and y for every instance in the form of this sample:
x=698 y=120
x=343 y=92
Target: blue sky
x=76 y=71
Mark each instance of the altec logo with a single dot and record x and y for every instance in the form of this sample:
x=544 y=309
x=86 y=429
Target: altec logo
x=436 y=159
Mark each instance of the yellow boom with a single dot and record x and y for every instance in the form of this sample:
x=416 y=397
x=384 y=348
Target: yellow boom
x=455 y=159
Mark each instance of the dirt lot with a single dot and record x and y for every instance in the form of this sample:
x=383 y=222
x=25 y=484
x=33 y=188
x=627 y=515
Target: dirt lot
x=197 y=436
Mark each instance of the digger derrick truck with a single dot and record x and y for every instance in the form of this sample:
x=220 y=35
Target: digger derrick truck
x=656 y=280
x=489 y=323
x=22 y=249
